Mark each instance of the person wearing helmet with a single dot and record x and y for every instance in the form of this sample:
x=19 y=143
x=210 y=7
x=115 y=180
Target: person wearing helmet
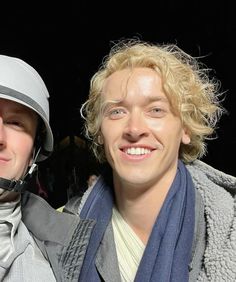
x=32 y=233
x=23 y=91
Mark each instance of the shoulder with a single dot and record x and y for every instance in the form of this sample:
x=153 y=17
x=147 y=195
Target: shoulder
x=203 y=173
x=72 y=206
x=217 y=190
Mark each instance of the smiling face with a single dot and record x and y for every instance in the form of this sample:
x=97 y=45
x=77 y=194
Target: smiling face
x=18 y=126
x=141 y=135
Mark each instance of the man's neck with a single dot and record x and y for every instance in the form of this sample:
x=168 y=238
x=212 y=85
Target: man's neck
x=141 y=210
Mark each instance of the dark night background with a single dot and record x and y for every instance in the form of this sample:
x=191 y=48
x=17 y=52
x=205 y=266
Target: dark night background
x=66 y=45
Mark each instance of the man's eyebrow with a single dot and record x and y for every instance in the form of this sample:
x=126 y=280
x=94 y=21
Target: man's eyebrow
x=110 y=103
x=20 y=110
x=157 y=98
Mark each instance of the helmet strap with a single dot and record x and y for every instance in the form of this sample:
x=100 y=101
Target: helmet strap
x=21 y=184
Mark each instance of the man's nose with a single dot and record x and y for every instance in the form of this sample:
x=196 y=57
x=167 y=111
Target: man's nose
x=136 y=127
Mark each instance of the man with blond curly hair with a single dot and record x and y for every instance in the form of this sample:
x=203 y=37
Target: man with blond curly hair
x=157 y=212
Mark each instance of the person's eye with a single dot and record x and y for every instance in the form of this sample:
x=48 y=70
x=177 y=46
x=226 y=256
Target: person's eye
x=157 y=112
x=15 y=124
x=116 y=113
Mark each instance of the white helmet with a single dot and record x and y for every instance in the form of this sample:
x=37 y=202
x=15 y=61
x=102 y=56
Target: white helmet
x=21 y=83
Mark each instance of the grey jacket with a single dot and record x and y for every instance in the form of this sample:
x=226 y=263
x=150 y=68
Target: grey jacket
x=64 y=238
x=218 y=193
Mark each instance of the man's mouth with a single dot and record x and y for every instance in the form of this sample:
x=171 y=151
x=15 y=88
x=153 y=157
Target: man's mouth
x=137 y=151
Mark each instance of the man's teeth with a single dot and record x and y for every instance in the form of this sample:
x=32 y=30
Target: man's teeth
x=138 y=151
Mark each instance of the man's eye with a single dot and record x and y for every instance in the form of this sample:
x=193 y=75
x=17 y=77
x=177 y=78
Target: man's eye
x=116 y=113
x=157 y=112
x=15 y=123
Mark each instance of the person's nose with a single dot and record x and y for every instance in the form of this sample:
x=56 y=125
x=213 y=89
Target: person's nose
x=2 y=134
x=136 y=127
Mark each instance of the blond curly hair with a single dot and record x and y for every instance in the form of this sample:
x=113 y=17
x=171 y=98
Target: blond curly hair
x=193 y=95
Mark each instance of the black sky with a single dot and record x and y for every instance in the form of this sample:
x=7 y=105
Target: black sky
x=66 y=44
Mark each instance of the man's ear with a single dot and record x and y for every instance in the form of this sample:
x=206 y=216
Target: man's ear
x=185 y=137
x=100 y=139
